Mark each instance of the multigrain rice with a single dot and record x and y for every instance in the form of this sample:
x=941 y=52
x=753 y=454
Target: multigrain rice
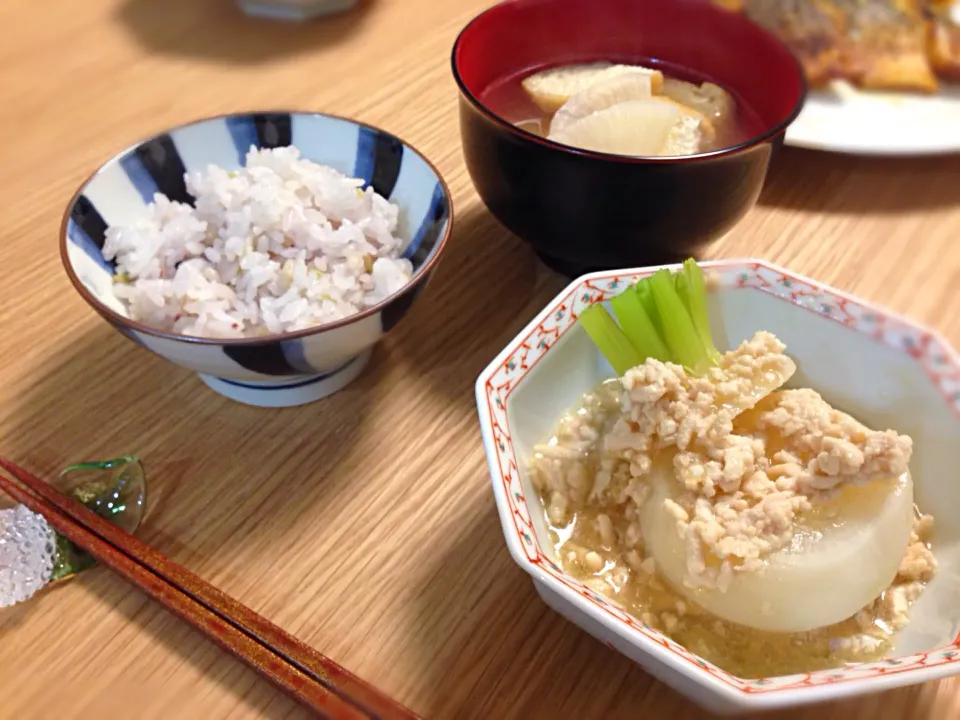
x=279 y=245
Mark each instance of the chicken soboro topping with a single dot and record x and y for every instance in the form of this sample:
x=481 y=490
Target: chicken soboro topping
x=750 y=460
x=742 y=496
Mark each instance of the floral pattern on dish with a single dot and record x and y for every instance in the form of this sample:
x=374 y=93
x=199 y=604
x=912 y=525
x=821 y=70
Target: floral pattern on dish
x=937 y=359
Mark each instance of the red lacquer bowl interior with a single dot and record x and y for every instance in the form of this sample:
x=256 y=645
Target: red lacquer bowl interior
x=515 y=38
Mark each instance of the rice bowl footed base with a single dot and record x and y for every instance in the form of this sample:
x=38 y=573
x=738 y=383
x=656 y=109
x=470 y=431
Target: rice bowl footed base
x=280 y=245
x=289 y=391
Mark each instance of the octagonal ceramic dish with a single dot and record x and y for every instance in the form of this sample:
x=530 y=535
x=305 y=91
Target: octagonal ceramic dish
x=882 y=368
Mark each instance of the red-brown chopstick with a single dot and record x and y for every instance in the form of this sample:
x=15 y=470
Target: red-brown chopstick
x=310 y=677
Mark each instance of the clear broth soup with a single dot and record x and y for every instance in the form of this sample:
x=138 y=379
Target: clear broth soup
x=515 y=103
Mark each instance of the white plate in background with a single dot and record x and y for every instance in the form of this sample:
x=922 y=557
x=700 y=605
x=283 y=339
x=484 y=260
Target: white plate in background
x=844 y=119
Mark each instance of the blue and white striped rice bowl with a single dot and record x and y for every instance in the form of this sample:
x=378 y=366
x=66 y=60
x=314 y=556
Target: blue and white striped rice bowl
x=280 y=370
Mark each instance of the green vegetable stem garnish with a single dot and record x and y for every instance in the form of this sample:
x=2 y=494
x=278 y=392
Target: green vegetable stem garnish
x=663 y=316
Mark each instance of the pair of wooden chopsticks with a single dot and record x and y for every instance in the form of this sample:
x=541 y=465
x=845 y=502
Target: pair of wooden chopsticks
x=314 y=680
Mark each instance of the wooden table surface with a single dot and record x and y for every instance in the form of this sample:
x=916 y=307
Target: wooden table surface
x=363 y=524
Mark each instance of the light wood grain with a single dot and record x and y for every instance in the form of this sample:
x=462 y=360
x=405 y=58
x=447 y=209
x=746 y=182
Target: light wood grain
x=364 y=524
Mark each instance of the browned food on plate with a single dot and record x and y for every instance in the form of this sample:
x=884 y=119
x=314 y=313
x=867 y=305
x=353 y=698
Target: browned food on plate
x=814 y=30
x=874 y=44
x=944 y=42
x=886 y=46
x=734 y=5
